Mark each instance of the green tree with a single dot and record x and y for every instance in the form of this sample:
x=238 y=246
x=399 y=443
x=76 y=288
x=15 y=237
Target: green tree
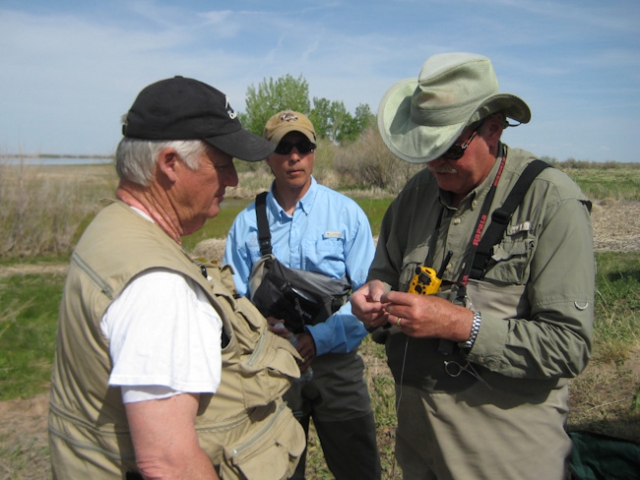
x=272 y=96
x=364 y=118
x=330 y=118
x=320 y=116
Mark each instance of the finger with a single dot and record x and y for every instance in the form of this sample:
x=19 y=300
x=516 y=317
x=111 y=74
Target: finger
x=376 y=290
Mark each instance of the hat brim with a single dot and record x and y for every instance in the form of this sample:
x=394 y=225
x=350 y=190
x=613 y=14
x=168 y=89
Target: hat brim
x=242 y=144
x=282 y=131
x=417 y=143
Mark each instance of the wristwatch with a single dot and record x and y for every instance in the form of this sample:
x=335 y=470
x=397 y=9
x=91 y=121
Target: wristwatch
x=475 y=328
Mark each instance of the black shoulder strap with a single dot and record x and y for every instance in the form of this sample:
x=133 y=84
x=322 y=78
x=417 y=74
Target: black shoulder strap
x=501 y=216
x=264 y=234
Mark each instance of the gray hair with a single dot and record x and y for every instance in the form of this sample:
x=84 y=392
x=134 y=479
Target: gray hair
x=136 y=159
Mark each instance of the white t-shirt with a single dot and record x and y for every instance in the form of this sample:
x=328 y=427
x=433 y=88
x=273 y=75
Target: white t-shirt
x=164 y=338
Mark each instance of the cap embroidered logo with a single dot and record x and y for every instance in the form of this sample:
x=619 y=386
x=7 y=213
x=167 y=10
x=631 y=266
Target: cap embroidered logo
x=230 y=112
x=289 y=117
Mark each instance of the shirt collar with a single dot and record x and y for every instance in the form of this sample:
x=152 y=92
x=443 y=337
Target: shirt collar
x=305 y=204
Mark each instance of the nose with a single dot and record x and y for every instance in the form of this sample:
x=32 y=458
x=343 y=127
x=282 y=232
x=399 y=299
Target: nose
x=231 y=177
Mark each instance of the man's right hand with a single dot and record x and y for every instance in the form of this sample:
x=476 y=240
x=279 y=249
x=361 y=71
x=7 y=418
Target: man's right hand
x=366 y=304
x=276 y=325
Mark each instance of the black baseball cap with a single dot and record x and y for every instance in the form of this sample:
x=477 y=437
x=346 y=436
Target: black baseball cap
x=182 y=108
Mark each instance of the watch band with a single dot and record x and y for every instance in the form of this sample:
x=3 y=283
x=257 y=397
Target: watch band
x=475 y=328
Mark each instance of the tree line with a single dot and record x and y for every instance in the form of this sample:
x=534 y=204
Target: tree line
x=330 y=118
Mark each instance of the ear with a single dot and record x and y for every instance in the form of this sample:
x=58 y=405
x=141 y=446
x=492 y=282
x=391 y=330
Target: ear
x=493 y=128
x=268 y=162
x=167 y=165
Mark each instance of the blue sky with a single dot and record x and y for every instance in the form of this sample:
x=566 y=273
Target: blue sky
x=70 y=68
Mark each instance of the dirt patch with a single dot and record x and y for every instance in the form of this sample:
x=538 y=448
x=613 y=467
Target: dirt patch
x=605 y=398
x=23 y=438
x=616 y=226
x=35 y=269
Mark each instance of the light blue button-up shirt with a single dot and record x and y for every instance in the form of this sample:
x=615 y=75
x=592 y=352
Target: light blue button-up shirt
x=328 y=233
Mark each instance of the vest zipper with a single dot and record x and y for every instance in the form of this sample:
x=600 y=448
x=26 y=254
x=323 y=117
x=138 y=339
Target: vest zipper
x=104 y=286
x=257 y=352
x=244 y=446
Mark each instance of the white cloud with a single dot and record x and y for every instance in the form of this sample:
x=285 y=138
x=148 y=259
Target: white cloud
x=68 y=76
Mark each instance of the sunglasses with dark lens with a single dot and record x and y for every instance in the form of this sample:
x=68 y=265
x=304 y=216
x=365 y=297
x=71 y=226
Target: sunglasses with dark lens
x=303 y=147
x=456 y=152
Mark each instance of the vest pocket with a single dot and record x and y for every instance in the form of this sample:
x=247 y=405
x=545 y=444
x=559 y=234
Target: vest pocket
x=511 y=258
x=271 y=452
x=267 y=372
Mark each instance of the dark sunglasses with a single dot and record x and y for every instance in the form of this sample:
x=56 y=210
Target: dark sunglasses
x=456 y=152
x=303 y=147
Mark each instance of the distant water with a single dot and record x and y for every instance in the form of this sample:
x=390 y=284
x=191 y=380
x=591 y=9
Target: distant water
x=55 y=161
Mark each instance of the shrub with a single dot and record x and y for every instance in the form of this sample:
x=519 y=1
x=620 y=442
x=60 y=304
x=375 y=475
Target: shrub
x=368 y=163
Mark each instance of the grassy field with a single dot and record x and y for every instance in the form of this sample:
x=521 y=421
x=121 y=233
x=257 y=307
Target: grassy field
x=605 y=398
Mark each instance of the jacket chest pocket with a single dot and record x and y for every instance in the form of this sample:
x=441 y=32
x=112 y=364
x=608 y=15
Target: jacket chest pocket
x=510 y=261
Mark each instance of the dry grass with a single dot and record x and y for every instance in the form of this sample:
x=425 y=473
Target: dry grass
x=42 y=207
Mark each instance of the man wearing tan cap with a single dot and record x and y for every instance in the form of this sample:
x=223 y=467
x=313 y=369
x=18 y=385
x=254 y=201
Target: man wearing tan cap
x=315 y=229
x=481 y=364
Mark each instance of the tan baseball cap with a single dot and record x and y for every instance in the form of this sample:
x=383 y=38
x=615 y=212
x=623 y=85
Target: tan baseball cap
x=285 y=122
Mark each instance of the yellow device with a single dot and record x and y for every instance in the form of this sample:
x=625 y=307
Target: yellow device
x=426 y=281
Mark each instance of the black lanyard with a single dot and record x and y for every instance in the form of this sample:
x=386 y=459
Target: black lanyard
x=446 y=347
x=477 y=232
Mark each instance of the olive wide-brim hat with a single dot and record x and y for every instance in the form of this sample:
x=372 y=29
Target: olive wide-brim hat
x=420 y=118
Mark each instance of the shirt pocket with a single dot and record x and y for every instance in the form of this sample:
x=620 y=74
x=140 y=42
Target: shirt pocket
x=413 y=259
x=325 y=255
x=510 y=261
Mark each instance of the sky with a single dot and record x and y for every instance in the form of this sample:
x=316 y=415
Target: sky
x=69 y=69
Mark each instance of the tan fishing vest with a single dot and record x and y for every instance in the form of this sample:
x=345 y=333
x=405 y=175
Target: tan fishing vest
x=244 y=428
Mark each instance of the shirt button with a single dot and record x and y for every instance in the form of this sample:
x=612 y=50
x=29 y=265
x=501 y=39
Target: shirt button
x=456 y=221
x=474 y=204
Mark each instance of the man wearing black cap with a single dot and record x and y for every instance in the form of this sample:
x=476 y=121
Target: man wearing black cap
x=157 y=372
x=481 y=363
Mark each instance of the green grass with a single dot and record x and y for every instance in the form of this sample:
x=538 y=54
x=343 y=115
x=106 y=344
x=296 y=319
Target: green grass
x=218 y=227
x=617 y=326
x=28 y=320
x=375 y=209
x=618 y=180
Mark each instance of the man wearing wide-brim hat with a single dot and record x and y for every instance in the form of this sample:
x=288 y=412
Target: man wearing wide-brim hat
x=481 y=367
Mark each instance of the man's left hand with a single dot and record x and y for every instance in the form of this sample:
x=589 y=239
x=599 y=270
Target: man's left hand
x=429 y=316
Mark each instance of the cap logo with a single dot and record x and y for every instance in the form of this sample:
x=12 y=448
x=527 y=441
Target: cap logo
x=230 y=112
x=288 y=117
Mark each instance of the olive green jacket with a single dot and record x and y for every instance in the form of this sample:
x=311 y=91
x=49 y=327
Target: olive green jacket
x=536 y=299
